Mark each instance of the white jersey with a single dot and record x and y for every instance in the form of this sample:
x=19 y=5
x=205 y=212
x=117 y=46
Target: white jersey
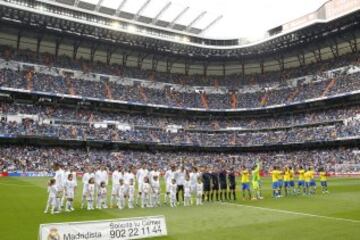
x=199 y=189
x=60 y=179
x=102 y=192
x=121 y=191
x=115 y=178
x=146 y=188
x=180 y=177
x=194 y=178
x=67 y=173
x=141 y=174
x=52 y=190
x=172 y=189
x=155 y=185
x=131 y=191
x=128 y=176
x=70 y=188
x=187 y=188
x=85 y=180
x=169 y=175
x=90 y=191
x=101 y=176
x=154 y=173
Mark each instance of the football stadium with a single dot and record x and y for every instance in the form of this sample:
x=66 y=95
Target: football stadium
x=172 y=119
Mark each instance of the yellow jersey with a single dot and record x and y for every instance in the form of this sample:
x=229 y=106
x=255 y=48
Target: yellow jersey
x=280 y=176
x=275 y=175
x=323 y=176
x=287 y=175
x=292 y=173
x=312 y=174
x=307 y=176
x=301 y=175
x=245 y=176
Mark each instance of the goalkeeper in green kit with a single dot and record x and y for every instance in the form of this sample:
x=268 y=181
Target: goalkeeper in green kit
x=255 y=176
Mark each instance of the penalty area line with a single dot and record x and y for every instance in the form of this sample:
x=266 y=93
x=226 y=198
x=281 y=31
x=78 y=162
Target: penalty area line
x=293 y=212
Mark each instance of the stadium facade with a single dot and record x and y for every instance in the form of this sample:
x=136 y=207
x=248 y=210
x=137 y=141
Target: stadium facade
x=122 y=81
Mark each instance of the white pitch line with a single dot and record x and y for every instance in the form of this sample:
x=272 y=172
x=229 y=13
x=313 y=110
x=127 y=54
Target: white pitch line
x=294 y=213
x=17 y=185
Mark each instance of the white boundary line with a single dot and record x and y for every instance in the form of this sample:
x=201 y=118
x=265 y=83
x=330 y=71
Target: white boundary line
x=17 y=185
x=293 y=213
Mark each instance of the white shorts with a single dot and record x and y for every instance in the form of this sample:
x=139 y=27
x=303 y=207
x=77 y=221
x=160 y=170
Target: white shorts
x=52 y=201
x=114 y=189
x=69 y=194
x=84 y=189
x=193 y=189
x=139 y=186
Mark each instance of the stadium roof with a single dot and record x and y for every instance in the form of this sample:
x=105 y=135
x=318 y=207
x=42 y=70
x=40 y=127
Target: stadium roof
x=215 y=19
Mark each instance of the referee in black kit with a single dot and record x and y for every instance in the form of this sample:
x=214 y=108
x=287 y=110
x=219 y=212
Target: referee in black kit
x=215 y=184
x=232 y=184
x=223 y=184
x=206 y=178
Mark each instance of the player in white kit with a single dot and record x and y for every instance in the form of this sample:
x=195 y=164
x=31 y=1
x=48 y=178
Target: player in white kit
x=169 y=175
x=60 y=182
x=101 y=175
x=131 y=193
x=146 y=193
x=129 y=176
x=85 y=180
x=102 y=196
x=187 y=191
x=172 y=192
x=51 y=203
x=90 y=194
x=155 y=193
x=194 y=175
x=140 y=176
x=115 y=178
x=121 y=194
x=199 y=191
x=70 y=187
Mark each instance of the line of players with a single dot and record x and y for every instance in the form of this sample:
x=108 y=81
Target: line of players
x=192 y=186
x=204 y=184
x=283 y=181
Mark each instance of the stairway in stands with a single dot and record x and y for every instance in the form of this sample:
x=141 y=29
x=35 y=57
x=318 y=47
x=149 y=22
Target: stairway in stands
x=264 y=99
x=108 y=92
x=154 y=136
x=293 y=94
x=142 y=93
x=204 y=100
x=232 y=139
x=328 y=87
x=29 y=80
x=70 y=86
x=233 y=100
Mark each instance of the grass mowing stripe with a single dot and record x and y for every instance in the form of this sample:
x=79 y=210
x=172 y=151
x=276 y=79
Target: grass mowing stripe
x=294 y=213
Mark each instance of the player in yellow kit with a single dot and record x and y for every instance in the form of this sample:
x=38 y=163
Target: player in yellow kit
x=286 y=180
x=245 y=182
x=280 y=181
x=292 y=182
x=312 y=180
x=275 y=181
x=323 y=180
x=301 y=180
x=307 y=178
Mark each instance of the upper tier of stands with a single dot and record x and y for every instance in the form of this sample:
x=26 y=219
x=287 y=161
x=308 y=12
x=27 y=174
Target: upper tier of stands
x=39 y=78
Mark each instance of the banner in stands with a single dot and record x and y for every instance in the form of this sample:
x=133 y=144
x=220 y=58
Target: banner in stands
x=30 y=174
x=129 y=228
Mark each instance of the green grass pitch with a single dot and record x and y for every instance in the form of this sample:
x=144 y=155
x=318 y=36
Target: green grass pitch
x=329 y=216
